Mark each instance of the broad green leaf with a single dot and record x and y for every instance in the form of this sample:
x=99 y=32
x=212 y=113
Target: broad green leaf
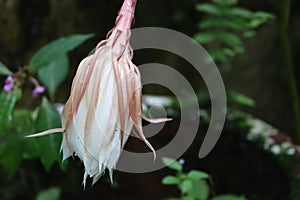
x=170 y=180
x=197 y=175
x=49 y=194
x=8 y=101
x=172 y=164
x=49 y=145
x=4 y=70
x=55 y=49
x=54 y=73
x=229 y=197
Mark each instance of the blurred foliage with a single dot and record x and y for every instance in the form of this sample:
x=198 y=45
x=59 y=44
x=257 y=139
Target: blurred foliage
x=4 y=70
x=224 y=27
x=49 y=194
x=222 y=32
x=51 y=65
x=193 y=185
x=51 y=61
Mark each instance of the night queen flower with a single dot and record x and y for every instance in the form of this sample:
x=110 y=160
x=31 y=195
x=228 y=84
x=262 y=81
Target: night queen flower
x=105 y=102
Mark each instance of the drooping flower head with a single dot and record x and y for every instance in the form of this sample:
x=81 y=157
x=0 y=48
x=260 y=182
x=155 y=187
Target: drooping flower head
x=105 y=102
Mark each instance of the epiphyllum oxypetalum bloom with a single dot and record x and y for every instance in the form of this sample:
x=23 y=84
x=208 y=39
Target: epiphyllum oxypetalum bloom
x=105 y=102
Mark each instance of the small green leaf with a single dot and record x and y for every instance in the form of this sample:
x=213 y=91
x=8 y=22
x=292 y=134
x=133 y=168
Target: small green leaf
x=240 y=12
x=55 y=49
x=222 y=36
x=199 y=190
x=229 y=197
x=208 y=8
x=188 y=198
x=170 y=180
x=8 y=101
x=49 y=145
x=240 y=98
x=221 y=22
x=4 y=70
x=49 y=194
x=226 y=2
x=54 y=73
x=186 y=186
x=172 y=164
x=218 y=54
x=249 y=34
x=197 y=175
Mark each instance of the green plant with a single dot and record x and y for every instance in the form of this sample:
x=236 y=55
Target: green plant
x=51 y=66
x=193 y=185
x=224 y=26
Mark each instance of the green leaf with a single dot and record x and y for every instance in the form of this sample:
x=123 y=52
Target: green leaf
x=186 y=186
x=197 y=175
x=54 y=74
x=55 y=49
x=226 y=2
x=249 y=34
x=218 y=54
x=49 y=194
x=170 y=180
x=11 y=155
x=240 y=12
x=13 y=147
x=223 y=36
x=221 y=22
x=4 y=70
x=199 y=190
x=188 y=198
x=208 y=8
x=8 y=101
x=229 y=197
x=49 y=145
x=240 y=98
x=172 y=164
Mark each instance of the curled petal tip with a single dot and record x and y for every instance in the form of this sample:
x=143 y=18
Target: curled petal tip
x=156 y=120
x=48 y=132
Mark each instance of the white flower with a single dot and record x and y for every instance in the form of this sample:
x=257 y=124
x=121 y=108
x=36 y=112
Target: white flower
x=105 y=102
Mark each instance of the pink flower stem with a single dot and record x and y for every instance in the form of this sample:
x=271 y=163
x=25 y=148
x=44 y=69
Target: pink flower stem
x=126 y=15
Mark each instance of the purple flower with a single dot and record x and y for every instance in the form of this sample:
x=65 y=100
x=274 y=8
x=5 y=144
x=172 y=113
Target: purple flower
x=9 y=84
x=38 y=90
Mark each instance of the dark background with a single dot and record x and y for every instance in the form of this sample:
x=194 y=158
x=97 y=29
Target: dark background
x=26 y=25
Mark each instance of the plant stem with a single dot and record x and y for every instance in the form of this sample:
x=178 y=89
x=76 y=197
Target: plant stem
x=289 y=65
